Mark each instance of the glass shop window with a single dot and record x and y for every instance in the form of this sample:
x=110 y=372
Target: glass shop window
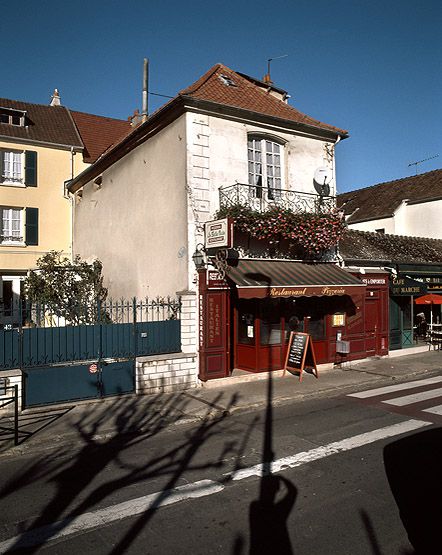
x=270 y=324
x=316 y=328
x=246 y=327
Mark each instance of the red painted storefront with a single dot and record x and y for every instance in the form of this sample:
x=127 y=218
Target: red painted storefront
x=246 y=326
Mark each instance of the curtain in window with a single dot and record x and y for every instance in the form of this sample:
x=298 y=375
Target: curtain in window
x=11 y=166
x=11 y=224
x=264 y=158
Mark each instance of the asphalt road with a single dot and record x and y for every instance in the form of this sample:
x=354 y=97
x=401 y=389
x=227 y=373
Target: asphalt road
x=334 y=484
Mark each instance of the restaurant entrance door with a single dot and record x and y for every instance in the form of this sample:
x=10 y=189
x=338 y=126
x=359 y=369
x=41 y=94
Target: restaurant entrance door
x=262 y=328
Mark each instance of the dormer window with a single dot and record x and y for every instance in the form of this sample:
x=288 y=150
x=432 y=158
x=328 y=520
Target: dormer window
x=226 y=80
x=12 y=117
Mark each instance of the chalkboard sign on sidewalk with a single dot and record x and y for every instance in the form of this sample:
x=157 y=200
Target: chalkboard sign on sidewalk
x=300 y=355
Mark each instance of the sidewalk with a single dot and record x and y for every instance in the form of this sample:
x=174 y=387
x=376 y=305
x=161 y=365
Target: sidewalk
x=70 y=424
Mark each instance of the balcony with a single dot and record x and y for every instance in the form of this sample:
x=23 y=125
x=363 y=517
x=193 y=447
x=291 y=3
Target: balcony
x=261 y=199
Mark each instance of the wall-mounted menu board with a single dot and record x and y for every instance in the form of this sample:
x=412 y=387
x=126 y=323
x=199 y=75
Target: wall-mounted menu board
x=300 y=355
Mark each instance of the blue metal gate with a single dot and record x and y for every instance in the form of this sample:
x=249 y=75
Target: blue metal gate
x=56 y=384
x=55 y=359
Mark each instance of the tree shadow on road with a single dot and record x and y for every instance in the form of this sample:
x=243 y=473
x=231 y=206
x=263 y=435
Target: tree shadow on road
x=82 y=482
x=269 y=513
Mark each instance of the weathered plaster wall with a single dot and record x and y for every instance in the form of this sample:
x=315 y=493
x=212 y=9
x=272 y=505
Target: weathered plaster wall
x=217 y=157
x=135 y=221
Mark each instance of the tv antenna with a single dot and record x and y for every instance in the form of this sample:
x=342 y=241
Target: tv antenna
x=267 y=78
x=421 y=161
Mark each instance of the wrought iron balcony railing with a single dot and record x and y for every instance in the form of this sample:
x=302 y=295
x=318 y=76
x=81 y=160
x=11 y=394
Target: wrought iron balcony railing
x=262 y=198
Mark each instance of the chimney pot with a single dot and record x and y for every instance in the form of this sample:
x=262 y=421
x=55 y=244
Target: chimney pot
x=55 y=99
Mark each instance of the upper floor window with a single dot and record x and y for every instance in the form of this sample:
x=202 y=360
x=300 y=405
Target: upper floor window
x=11 y=162
x=18 y=168
x=19 y=225
x=12 y=225
x=265 y=166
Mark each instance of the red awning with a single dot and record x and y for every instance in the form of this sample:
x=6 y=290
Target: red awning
x=281 y=278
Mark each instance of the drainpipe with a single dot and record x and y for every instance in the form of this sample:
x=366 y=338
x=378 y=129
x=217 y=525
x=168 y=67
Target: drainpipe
x=334 y=165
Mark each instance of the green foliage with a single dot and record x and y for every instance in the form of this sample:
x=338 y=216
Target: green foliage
x=71 y=290
x=312 y=232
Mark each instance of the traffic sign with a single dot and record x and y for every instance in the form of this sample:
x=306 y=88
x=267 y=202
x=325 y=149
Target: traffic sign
x=93 y=368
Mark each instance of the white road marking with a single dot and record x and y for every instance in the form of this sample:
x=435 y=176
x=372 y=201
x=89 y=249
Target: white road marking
x=397 y=387
x=332 y=448
x=434 y=410
x=414 y=398
x=107 y=515
x=101 y=517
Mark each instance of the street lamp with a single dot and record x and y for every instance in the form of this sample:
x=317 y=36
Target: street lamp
x=199 y=257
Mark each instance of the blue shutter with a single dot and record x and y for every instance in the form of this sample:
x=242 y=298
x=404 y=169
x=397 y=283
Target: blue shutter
x=31 y=226
x=31 y=168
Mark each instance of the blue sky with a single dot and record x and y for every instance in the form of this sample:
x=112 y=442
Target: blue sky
x=370 y=66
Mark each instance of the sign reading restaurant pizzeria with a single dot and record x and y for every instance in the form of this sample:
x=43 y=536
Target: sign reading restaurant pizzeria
x=303 y=291
x=218 y=233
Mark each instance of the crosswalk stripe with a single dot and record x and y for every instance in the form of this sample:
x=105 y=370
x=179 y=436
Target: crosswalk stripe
x=414 y=398
x=396 y=387
x=434 y=410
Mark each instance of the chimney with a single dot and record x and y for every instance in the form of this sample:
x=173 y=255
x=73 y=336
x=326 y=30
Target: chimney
x=145 y=110
x=136 y=119
x=55 y=98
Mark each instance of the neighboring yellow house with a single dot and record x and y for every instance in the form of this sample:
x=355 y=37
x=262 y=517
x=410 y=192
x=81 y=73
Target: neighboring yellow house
x=41 y=147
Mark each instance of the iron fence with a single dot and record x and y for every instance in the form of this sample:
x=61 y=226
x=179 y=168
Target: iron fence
x=34 y=335
x=122 y=311
x=262 y=198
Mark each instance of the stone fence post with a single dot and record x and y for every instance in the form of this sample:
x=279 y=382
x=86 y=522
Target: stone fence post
x=189 y=320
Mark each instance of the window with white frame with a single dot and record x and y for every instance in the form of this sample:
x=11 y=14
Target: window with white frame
x=265 y=166
x=11 y=166
x=12 y=225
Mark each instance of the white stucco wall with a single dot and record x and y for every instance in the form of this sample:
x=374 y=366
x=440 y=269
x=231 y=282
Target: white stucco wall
x=147 y=217
x=217 y=157
x=414 y=220
x=424 y=220
x=384 y=223
x=135 y=222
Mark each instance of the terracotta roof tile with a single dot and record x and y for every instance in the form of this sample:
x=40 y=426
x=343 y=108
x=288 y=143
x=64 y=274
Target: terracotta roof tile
x=381 y=200
x=99 y=133
x=365 y=245
x=244 y=93
x=48 y=124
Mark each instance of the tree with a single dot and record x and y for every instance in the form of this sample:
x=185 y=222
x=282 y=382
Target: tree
x=69 y=290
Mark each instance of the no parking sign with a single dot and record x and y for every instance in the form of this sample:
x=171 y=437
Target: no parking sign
x=93 y=368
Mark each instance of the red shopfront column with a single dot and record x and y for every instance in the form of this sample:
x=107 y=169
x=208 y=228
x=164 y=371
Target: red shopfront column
x=376 y=313
x=214 y=327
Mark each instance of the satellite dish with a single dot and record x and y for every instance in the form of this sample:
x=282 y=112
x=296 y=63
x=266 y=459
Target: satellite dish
x=322 y=180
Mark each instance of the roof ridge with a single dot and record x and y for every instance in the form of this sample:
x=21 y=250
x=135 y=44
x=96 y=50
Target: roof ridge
x=391 y=181
x=200 y=81
x=40 y=105
x=97 y=115
x=377 y=234
x=251 y=84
